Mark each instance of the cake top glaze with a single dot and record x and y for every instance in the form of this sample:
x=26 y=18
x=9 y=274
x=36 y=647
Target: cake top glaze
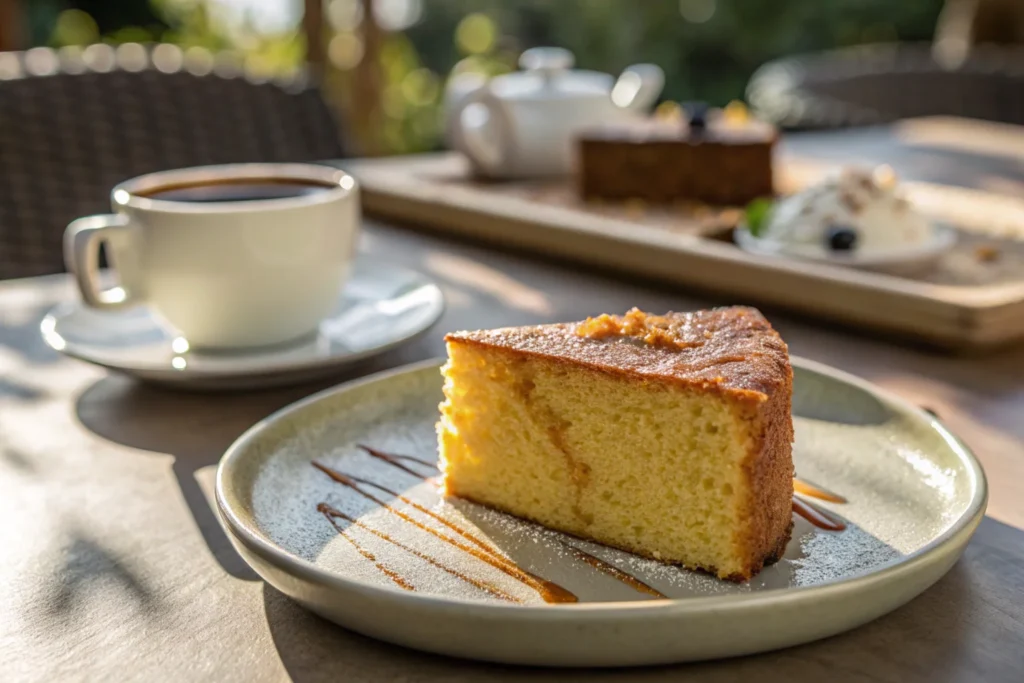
x=733 y=349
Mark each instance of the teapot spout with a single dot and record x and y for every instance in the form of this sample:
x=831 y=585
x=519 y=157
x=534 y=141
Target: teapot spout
x=638 y=87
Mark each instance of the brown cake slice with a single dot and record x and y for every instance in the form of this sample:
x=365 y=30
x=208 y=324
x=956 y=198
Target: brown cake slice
x=665 y=161
x=669 y=436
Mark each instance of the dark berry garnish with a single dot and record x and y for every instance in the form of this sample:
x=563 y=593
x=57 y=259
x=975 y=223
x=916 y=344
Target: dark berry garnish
x=698 y=115
x=842 y=238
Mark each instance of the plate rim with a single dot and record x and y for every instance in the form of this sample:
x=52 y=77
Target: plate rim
x=166 y=374
x=892 y=570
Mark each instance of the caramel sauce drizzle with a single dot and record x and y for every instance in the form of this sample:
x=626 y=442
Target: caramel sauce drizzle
x=811 y=491
x=613 y=571
x=332 y=513
x=396 y=461
x=549 y=591
x=815 y=515
x=426 y=511
x=594 y=561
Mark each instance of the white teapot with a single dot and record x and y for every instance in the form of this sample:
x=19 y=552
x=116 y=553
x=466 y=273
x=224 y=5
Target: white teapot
x=524 y=124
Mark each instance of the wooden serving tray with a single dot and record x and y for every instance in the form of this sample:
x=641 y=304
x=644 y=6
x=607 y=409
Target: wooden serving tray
x=974 y=299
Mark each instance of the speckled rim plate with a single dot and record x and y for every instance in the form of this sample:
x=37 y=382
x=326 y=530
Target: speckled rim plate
x=916 y=497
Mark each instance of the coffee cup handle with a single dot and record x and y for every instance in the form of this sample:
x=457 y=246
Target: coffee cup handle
x=82 y=240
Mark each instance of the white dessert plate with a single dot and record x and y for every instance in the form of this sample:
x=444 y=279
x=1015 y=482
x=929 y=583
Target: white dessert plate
x=380 y=307
x=402 y=573
x=897 y=260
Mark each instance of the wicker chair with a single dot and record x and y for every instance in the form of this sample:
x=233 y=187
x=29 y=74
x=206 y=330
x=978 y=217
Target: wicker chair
x=879 y=83
x=73 y=123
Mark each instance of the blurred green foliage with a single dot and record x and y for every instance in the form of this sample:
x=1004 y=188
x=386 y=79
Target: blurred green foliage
x=708 y=48
x=709 y=60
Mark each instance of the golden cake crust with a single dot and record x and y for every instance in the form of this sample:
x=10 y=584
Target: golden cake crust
x=733 y=350
x=768 y=469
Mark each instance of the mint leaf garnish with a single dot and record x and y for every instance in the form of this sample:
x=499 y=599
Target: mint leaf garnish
x=757 y=215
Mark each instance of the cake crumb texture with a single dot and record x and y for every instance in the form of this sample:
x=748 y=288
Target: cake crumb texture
x=668 y=436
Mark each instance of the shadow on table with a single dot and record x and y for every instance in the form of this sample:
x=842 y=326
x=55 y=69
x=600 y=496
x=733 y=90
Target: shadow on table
x=195 y=429
x=940 y=636
x=20 y=334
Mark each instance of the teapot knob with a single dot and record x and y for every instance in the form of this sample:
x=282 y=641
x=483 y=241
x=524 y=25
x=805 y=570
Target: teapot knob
x=547 y=61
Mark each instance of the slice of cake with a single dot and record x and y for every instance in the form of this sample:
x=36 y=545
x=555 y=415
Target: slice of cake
x=669 y=436
x=718 y=162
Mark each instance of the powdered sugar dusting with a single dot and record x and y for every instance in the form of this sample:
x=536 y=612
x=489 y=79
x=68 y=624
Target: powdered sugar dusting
x=893 y=510
x=828 y=557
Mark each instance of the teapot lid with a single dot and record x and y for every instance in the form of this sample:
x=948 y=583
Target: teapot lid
x=547 y=74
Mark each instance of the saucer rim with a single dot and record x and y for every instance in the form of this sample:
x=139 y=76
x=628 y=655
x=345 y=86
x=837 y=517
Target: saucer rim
x=274 y=373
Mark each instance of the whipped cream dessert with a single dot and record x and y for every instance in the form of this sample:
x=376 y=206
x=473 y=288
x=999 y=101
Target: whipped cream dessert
x=855 y=210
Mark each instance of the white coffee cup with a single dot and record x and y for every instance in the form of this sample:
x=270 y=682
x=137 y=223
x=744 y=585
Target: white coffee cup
x=231 y=256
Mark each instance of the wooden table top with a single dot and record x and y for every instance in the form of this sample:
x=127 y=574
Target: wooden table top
x=114 y=567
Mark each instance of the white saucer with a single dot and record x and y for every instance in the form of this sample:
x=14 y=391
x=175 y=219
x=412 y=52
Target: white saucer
x=897 y=260
x=380 y=307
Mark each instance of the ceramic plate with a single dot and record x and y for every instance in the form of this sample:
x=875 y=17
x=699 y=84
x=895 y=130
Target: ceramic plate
x=380 y=307
x=402 y=572
x=896 y=260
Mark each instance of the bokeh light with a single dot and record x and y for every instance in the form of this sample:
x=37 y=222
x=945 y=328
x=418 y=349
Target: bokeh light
x=198 y=61
x=71 y=61
x=167 y=58
x=397 y=15
x=419 y=40
x=697 y=11
x=132 y=57
x=99 y=57
x=420 y=87
x=41 y=61
x=398 y=57
x=475 y=34
x=10 y=66
x=75 y=27
x=344 y=15
x=669 y=111
x=257 y=16
x=345 y=51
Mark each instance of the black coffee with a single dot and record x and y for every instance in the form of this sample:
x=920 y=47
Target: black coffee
x=236 y=190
